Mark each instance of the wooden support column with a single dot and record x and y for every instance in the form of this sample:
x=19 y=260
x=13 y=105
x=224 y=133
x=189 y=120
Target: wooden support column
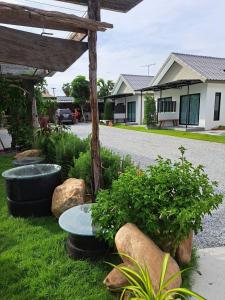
x=29 y=88
x=31 y=103
x=35 y=119
x=94 y=14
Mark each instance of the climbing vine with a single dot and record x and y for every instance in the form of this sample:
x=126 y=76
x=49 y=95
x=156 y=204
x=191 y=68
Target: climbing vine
x=13 y=103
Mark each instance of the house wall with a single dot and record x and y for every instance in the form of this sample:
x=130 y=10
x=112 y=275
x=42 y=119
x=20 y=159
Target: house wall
x=177 y=93
x=212 y=89
x=178 y=72
x=124 y=89
x=140 y=107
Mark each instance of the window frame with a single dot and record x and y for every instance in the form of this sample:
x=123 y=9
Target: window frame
x=163 y=107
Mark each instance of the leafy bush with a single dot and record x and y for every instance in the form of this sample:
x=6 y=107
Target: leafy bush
x=61 y=148
x=150 y=111
x=112 y=166
x=108 y=110
x=166 y=201
x=14 y=103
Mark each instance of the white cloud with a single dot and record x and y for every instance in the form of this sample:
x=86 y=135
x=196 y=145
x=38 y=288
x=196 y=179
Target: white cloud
x=147 y=34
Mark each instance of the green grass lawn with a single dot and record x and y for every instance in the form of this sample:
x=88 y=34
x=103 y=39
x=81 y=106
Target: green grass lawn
x=33 y=260
x=176 y=133
x=34 y=264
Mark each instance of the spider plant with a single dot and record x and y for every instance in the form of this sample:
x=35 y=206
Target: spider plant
x=140 y=285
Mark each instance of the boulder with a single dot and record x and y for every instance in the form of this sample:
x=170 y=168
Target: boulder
x=184 y=250
x=67 y=195
x=131 y=241
x=28 y=153
x=115 y=279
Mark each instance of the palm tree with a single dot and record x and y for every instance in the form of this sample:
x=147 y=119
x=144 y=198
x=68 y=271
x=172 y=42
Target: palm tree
x=105 y=87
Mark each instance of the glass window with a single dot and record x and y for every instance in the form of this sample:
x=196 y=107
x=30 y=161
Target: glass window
x=217 y=107
x=166 y=105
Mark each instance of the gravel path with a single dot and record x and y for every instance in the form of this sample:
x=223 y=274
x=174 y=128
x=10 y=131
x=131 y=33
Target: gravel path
x=144 y=149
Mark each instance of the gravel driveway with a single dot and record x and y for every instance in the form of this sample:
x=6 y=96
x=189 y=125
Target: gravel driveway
x=144 y=149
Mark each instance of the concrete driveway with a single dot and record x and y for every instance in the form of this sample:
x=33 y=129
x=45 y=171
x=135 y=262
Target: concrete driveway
x=144 y=149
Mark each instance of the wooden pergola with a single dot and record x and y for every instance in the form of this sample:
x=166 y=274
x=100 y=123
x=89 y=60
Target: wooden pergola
x=30 y=57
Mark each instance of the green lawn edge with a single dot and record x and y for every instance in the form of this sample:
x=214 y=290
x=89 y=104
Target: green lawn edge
x=176 y=133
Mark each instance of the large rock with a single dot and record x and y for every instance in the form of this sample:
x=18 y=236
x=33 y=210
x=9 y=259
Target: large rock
x=28 y=153
x=115 y=279
x=184 y=251
x=131 y=241
x=67 y=195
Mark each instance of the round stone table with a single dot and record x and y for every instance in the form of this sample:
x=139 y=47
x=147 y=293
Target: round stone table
x=82 y=241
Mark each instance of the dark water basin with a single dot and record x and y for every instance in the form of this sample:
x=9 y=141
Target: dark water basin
x=28 y=161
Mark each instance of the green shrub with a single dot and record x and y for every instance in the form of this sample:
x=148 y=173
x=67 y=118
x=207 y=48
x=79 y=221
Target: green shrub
x=68 y=148
x=166 y=201
x=112 y=166
x=150 y=111
x=108 y=110
x=61 y=148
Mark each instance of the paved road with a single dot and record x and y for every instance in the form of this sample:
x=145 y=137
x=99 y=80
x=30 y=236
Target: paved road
x=144 y=149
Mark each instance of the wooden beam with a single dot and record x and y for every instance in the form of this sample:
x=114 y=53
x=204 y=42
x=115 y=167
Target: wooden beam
x=94 y=13
x=33 y=17
x=29 y=49
x=77 y=36
x=116 y=5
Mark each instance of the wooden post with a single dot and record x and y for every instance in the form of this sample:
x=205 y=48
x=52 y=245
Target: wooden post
x=29 y=87
x=94 y=13
x=32 y=105
x=35 y=120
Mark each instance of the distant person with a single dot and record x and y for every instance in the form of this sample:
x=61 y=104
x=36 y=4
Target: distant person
x=77 y=115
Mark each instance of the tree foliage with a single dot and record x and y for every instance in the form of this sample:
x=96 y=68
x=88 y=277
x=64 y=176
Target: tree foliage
x=67 y=89
x=105 y=87
x=108 y=110
x=14 y=102
x=80 y=91
x=150 y=111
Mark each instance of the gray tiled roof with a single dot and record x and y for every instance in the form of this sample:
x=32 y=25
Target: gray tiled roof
x=138 y=82
x=212 y=68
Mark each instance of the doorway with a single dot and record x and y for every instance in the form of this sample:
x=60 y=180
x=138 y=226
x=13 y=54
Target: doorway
x=189 y=109
x=131 y=111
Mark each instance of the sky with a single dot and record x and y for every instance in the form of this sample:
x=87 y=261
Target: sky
x=145 y=35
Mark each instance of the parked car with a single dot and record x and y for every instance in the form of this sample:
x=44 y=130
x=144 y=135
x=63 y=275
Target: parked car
x=64 y=116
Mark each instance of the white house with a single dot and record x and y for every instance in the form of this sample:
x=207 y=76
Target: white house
x=190 y=91
x=129 y=100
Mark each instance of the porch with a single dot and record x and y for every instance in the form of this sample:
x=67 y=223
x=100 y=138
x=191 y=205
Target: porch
x=180 y=104
x=125 y=108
